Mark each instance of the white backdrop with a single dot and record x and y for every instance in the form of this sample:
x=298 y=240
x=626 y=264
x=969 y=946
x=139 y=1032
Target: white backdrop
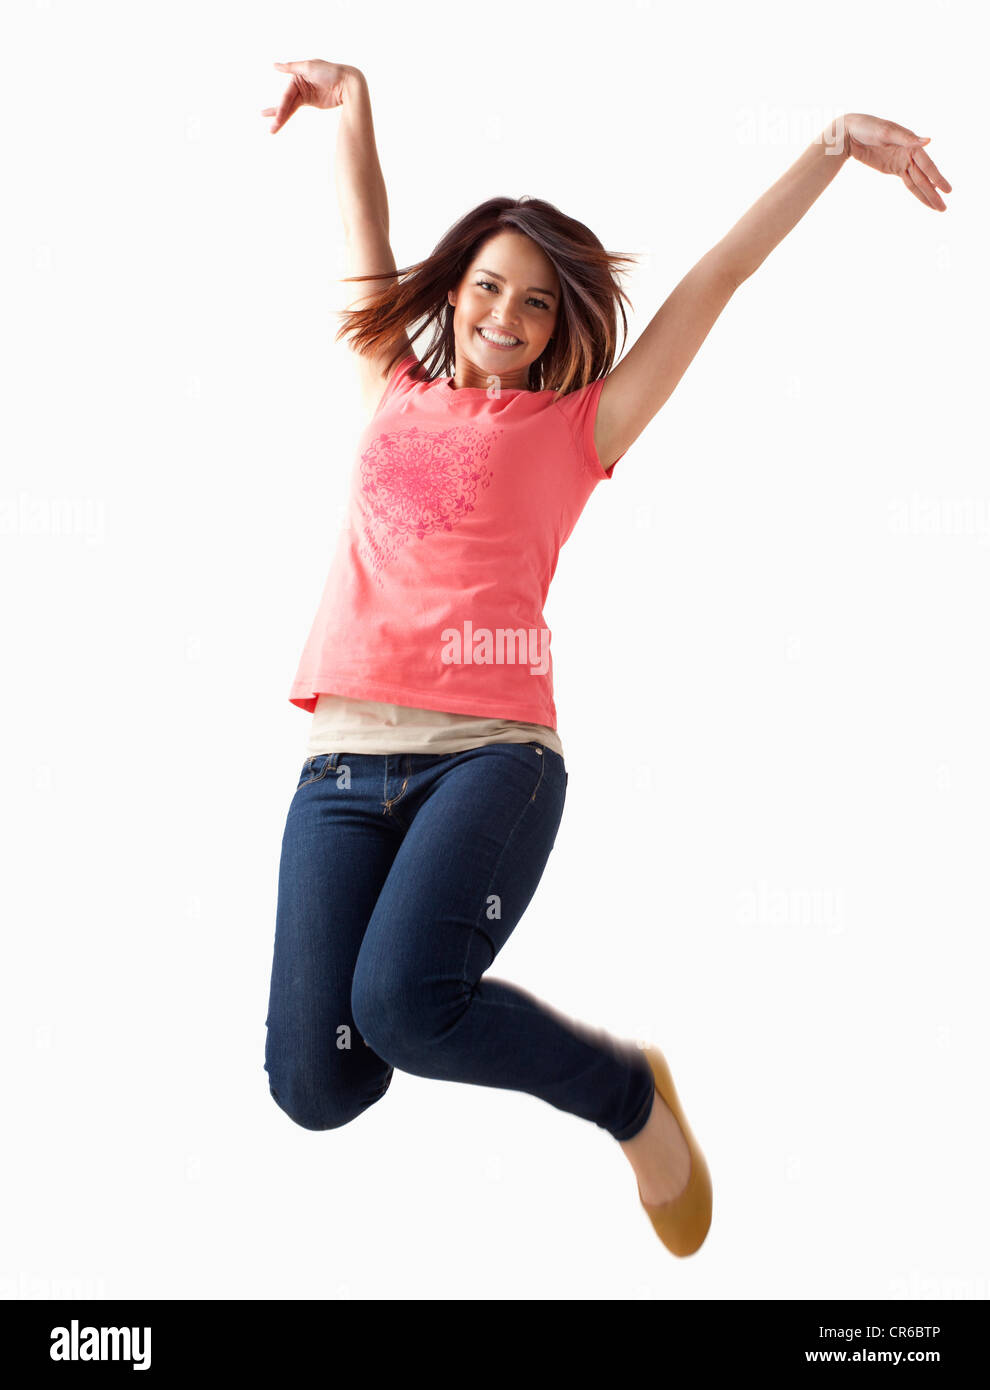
x=770 y=646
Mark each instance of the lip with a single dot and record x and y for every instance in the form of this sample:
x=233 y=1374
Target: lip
x=499 y=347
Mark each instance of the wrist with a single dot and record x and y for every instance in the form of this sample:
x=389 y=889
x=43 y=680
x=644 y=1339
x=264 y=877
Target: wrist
x=835 y=138
x=838 y=137
x=354 y=80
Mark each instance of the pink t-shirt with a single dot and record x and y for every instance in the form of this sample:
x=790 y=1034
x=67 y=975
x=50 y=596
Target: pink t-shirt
x=460 y=501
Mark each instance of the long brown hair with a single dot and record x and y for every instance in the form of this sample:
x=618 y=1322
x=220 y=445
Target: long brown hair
x=583 y=344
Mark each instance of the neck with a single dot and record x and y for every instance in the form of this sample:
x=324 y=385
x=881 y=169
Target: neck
x=467 y=374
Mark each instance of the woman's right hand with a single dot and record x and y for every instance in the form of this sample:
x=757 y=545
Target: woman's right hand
x=312 y=83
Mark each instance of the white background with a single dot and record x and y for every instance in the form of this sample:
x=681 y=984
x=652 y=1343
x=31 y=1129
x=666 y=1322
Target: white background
x=770 y=641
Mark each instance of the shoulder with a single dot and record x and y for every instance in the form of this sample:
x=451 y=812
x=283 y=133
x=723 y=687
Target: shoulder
x=381 y=384
x=580 y=409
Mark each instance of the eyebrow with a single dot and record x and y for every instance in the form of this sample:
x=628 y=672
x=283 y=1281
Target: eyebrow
x=495 y=275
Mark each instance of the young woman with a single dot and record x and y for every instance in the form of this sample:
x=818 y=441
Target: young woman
x=434 y=787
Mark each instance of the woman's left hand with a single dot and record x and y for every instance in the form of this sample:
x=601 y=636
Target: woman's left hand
x=893 y=149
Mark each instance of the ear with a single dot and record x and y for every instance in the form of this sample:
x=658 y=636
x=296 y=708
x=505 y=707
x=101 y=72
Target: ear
x=452 y=298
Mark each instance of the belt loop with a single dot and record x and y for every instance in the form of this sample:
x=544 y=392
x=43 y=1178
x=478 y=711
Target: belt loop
x=333 y=761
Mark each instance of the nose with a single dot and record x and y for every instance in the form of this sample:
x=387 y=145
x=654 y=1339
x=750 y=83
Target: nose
x=509 y=320
x=508 y=324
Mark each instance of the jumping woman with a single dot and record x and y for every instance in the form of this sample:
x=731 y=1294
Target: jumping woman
x=430 y=800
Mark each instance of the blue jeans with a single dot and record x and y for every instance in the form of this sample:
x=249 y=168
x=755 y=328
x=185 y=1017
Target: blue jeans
x=401 y=878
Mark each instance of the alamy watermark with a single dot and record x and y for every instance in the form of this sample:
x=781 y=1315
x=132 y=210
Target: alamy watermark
x=766 y=124
x=502 y=646
x=75 y=1343
x=940 y=516
x=764 y=905
x=30 y=514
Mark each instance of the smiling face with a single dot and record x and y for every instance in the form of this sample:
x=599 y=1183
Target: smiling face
x=510 y=291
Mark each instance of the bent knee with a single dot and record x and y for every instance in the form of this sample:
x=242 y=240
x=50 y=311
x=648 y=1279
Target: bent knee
x=322 y=1110
x=402 y=1023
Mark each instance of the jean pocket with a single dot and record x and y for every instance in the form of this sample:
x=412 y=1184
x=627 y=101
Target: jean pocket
x=314 y=769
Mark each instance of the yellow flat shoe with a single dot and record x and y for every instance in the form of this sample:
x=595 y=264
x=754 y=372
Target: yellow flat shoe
x=682 y=1223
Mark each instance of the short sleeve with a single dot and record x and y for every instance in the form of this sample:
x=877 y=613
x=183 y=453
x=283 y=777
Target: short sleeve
x=400 y=380
x=580 y=409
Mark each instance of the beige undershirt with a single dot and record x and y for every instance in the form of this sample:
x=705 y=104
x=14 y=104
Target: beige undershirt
x=341 y=724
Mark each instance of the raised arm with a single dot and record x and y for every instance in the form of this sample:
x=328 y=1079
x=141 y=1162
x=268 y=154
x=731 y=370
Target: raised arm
x=360 y=190
x=645 y=378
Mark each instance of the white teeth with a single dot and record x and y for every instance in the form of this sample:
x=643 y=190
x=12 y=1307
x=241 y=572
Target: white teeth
x=497 y=337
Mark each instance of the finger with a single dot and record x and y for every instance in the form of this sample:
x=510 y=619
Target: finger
x=925 y=163
x=287 y=105
x=925 y=190
x=928 y=186
x=909 y=184
x=268 y=111
x=919 y=183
